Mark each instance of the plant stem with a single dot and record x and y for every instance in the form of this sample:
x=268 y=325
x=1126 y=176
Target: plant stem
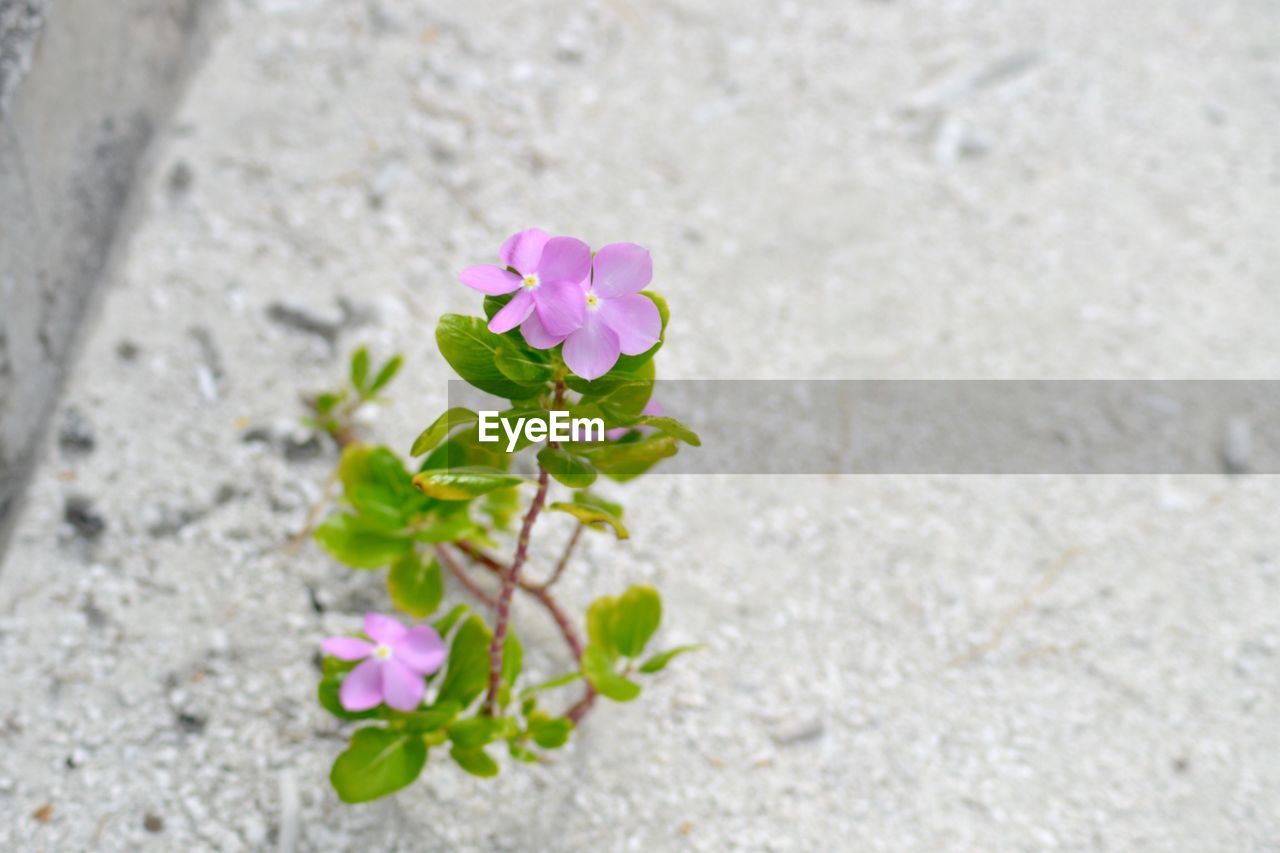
x=562 y=620
x=463 y=578
x=509 y=580
x=564 y=558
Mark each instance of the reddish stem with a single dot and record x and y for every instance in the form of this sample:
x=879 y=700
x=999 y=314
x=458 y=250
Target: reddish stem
x=562 y=620
x=463 y=578
x=564 y=558
x=510 y=578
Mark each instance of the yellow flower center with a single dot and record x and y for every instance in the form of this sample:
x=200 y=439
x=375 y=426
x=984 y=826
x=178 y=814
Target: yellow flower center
x=593 y=301
x=382 y=652
x=530 y=282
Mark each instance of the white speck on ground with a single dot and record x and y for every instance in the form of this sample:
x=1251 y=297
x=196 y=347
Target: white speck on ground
x=830 y=189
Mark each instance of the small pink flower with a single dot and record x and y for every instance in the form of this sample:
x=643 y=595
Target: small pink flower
x=395 y=663
x=546 y=281
x=617 y=319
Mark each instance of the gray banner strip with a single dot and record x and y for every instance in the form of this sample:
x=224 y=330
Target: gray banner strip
x=967 y=426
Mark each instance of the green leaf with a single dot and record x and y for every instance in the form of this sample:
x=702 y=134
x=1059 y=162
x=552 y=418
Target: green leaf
x=623 y=390
x=512 y=658
x=326 y=402
x=468 y=672
x=671 y=427
x=597 y=665
x=599 y=615
x=378 y=762
x=441 y=427
x=352 y=540
x=626 y=460
x=415 y=587
x=551 y=733
x=470 y=348
x=521 y=753
x=445 y=623
x=475 y=731
x=658 y=662
x=359 y=368
x=386 y=374
x=558 y=681
x=594 y=501
x=446 y=529
x=634 y=618
x=376 y=483
x=462 y=484
x=431 y=719
x=568 y=469
x=522 y=364
x=592 y=516
x=477 y=762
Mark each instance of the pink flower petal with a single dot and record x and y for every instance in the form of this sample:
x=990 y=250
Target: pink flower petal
x=536 y=334
x=420 y=649
x=592 y=350
x=561 y=306
x=564 y=259
x=522 y=250
x=513 y=313
x=382 y=629
x=347 y=648
x=635 y=320
x=401 y=686
x=489 y=279
x=362 y=688
x=621 y=268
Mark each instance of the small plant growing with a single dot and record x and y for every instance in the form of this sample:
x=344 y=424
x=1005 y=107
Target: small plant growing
x=333 y=412
x=566 y=330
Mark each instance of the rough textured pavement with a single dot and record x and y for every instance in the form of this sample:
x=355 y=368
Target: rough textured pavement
x=838 y=189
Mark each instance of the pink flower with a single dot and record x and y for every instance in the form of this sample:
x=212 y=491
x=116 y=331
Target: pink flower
x=546 y=281
x=395 y=663
x=616 y=318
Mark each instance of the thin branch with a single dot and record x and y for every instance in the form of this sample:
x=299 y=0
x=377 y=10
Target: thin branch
x=463 y=578
x=509 y=580
x=564 y=557
x=571 y=637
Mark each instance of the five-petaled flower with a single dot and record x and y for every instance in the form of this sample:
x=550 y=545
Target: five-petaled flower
x=546 y=281
x=617 y=318
x=394 y=666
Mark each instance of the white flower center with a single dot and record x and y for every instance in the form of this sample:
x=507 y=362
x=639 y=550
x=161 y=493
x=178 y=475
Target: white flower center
x=531 y=281
x=382 y=652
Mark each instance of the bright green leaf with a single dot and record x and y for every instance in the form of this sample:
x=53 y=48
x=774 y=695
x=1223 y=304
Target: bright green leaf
x=475 y=731
x=441 y=427
x=461 y=484
x=445 y=623
x=378 y=762
x=468 y=669
x=595 y=501
x=635 y=617
x=599 y=615
x=477 y=762
x=590 y=515
x=386 y=374
x=671 y=427
x=598 y=667
x=470 y=349
x=549 y=732
x=416 y=587
x=431 y=719
x=659 y=661
x=354 y=541
x=522 y=364
x=359 y=368
x=572 y=471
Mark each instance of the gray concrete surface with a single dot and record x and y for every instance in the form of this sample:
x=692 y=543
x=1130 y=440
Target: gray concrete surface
x=83 y=86
x=829 y=189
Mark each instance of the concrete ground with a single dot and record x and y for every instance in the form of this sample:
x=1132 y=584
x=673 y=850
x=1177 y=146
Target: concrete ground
x=834 y=189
